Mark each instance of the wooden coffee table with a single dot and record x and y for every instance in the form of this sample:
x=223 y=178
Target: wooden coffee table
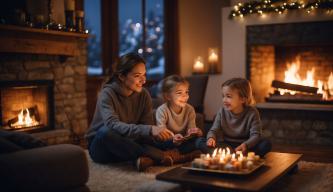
x=276 y=165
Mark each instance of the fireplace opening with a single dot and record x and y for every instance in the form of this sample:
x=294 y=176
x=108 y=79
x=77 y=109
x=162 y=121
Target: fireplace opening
x=291 y=63
x=27 y=105
x=298 y=74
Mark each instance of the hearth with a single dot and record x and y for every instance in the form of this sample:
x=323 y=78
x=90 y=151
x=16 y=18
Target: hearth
x=27 y=105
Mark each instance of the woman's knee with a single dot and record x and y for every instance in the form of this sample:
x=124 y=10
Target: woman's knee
x=98 y=152
x=105 y=134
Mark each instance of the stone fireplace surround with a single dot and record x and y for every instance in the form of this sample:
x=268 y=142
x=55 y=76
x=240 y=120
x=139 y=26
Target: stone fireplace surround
x=283 y=123
x=68 y=72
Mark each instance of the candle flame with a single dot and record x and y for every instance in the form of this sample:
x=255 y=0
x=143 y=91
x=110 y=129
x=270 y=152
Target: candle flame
x=214 y=153
x=228 y=151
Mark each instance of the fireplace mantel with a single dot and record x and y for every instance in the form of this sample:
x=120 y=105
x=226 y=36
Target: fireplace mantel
x=16 y=39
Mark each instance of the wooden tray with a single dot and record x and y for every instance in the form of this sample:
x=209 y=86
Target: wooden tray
x=241 y=172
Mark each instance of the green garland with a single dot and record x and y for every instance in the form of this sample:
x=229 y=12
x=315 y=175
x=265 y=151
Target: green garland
x=278 y=6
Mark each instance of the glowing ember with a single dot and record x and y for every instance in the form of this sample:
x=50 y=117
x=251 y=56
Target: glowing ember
x=292 y=76
x=25 y=120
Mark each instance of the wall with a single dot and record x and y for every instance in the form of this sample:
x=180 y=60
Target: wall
x=199 y=29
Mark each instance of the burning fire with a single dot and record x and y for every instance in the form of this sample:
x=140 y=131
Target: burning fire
x=25 y=120
x=291 y=76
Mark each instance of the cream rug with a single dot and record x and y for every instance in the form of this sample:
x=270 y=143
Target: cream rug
x=316 y=177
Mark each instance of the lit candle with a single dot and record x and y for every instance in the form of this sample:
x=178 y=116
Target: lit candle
x=215 y=159
x=213 y=59
x=198 y=66
x=242 y=160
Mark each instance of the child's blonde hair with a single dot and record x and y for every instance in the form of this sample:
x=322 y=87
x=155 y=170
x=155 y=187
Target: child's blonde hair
x=243 y=87
x=171 y=82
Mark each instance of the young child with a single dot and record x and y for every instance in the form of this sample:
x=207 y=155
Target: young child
x=237 y=124
x=179 y=117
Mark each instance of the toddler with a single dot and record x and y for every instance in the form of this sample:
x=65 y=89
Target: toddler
x=178 y=117
x=237 y=124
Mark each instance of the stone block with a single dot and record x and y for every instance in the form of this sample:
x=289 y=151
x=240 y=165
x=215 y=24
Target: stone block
x=68 y=71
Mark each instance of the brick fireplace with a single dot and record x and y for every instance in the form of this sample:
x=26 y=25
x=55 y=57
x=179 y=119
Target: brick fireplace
x=259 y=48
x=40 y=56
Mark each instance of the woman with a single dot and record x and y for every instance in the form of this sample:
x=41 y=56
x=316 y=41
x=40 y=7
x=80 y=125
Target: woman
x=123 y=121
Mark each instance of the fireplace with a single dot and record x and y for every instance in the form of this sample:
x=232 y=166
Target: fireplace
x=296 y=67
x=27 y=105
x=290 y=67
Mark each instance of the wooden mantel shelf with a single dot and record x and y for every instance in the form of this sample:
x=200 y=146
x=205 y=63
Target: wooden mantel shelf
x=16 y=39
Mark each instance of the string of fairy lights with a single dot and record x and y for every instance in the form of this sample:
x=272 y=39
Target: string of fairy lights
x=263 y=7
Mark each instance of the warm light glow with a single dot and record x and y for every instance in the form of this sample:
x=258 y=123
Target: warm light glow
x=25 y=120
x=330 y=84
x=212 y=55
x=214 y=153
x=292 y=76
x=198 y=66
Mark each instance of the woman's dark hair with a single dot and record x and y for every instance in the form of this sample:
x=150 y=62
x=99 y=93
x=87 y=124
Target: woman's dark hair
x=125 y=64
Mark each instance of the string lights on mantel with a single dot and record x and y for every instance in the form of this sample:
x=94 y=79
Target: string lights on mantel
x=279 y=6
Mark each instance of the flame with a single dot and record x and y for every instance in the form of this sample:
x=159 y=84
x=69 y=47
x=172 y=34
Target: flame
x=228 y=151
x=214 y=153
x=330 y=83
x=292 y=76
x=25 y=120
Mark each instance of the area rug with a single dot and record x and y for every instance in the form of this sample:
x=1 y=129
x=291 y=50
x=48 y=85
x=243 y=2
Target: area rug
x=316 y=177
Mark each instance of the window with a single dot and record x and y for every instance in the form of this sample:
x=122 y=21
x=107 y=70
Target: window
x=116 y=27
x=133 y=39
x=93 y=25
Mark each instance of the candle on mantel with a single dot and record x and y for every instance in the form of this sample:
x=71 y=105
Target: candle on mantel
x=199 y=66
x=213 y=59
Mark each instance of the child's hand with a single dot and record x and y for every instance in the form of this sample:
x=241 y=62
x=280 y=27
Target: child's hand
x=178 y=139
x=242 y=147
x=194 y=131
x=161 y=133
x=211 y=142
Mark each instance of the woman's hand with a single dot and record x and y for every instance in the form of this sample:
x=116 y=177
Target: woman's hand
x=211 y=142
x=161 y=133
x=178 y=139
x=242 y=147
